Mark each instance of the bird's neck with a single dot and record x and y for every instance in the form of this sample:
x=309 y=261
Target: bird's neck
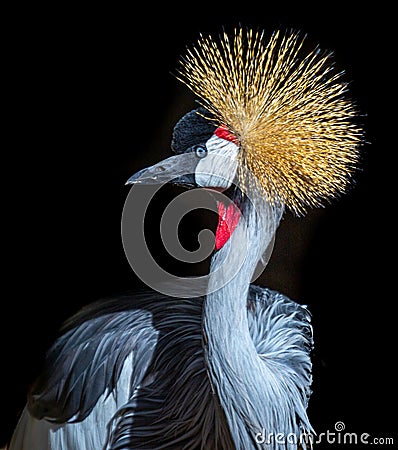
x=231 y=356
x=232 y=268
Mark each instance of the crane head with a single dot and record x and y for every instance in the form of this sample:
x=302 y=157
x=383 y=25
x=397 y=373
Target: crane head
x=273 y=116
x=206 y=155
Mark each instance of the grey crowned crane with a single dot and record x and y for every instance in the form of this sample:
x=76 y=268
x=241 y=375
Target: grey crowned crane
x=274 y=132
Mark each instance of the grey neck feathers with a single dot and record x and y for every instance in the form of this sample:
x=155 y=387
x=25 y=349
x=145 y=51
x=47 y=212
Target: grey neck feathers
x=232 y=268
x=252 y=395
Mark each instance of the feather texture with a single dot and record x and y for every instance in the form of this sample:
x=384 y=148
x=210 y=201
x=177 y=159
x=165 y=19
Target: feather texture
x=288 y=109
x=154 y=346
x=88 y=358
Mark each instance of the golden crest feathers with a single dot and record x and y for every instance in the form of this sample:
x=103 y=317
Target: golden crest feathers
x=289 y=112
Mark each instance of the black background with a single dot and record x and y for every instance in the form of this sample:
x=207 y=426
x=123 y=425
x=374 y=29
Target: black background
x=93 y=100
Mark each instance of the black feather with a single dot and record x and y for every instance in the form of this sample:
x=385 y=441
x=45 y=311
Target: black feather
x=192 y=129
x=88 y=357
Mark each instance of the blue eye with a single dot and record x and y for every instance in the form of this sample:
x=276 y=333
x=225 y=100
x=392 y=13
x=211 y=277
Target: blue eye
x=200 y=151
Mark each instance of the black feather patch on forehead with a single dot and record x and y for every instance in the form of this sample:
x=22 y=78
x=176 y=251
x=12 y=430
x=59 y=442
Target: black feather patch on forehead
x=192 y=129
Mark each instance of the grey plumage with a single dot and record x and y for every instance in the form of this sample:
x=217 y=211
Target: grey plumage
x=88 y=358
x=172 y=404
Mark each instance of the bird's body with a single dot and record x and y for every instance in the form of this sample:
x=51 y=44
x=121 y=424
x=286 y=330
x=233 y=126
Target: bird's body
x=163 y=396
x=149 y=372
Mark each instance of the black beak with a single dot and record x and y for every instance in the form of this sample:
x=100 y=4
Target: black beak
x=178 y=169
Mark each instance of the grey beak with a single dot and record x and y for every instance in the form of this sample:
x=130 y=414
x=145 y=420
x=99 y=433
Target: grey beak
x=178 y=169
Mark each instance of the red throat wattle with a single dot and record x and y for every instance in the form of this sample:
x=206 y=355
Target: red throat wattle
x=228 y=218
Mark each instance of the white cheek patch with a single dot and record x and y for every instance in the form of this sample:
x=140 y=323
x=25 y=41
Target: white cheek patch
x=218 y=168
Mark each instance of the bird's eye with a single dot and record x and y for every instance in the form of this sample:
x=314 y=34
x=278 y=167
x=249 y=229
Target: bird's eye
x=200 y=151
